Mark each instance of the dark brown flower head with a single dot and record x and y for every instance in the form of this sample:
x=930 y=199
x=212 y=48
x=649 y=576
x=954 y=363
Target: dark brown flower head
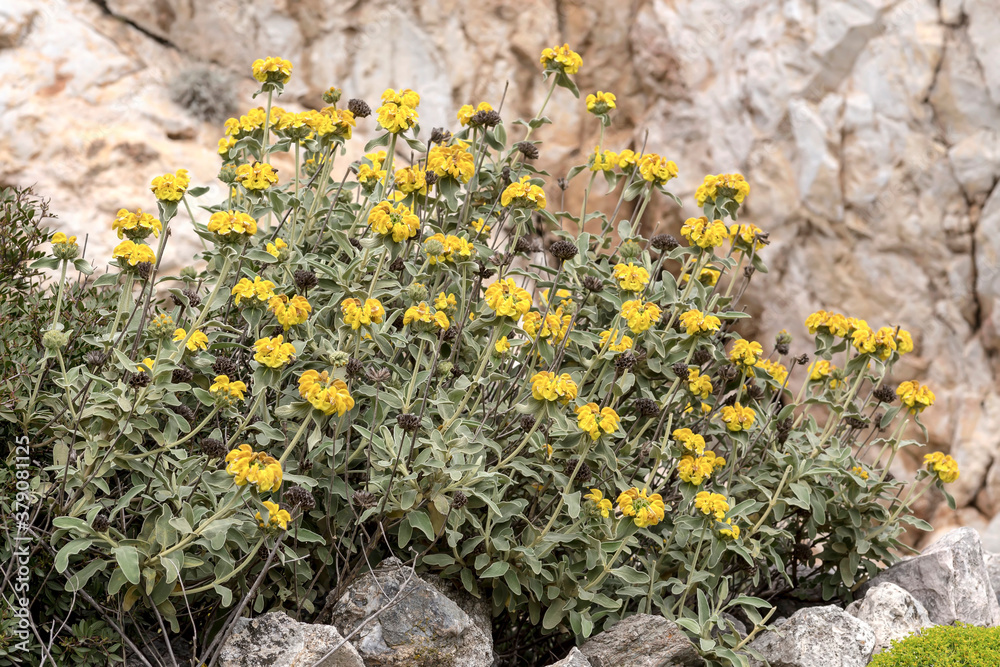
x=664 y=242
x=803 y=553
x=701 y=356
x=593 y=284
x=728 y=372
x=885 y=394
x=784 y=429
x=527 y=422
x=430 y=178
x=213 y=449
x=138 y=380
x=748 y=271
x=505 y=176
x=459 y=500
x=305 y=279
x=145 y=269
x=181 y=375
x=855 y=422
x=523 y=244
x=364 y=499
x=582 y=476
x=185 y=412
x=378 y=376
x=527 y=149
x=408 y=422
x=624 y=362
x=439 y=135
x=101 y=523
x=359 y=108
x=680 y=369
x=563 y=250
x=781 y=348
x=225 y=366
x=95 y=359
x=802 y=359
x=562 y=183
x=355 y=242
x=646 y=407
x=485 y=119
x=354 y=368
x=754 y=391
x=296 y=496
x=397 y=264
x=450 y=333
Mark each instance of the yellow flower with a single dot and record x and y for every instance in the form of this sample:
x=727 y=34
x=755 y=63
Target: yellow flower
x=466 y=112
x=171 y=187
x=480 y=226
x=59 y=237
x=274 y=249
x=732 y=532
x=592 y=419
x=627 y=160
x=233 y=390
x=502 y=346
x=136 y=225
x=943 y=465
x=696 y=470
x=273 y=352
x=196 y=341
x=507 y=299
x=546 y=386
x=272 y=70
x=703 y=233
x=860 y=472
x=326 y=395
x=522 y=194
x=331 y=120
x=262 y=290
x=601 y=504
x=692 y=441
x=232 y=225
x=746 y=352
x=630 y=277
x=397 y=221
x=255 y=468
x=646 y=510
x=147 y=363
x=737 y=418
x=707 y=277
x=133 y=253
x=454 y=161
x=915 y=396
x=904 y=342
x=561 y=59
x=453 y=248
x=773 y=368
x=747 y=236
x=368 y=176
x=833 y=323
x=555 y=327
x=398 y=110
x=258 y=176
x=733 y=186
x=421 y=314
x=696 y=322
x=885 y=342
x=600 y=103
x=603 y=161
x=359 y=315
x=290 y=312
x=711 y=504
x=863 y=338
x=625 y=344
x=655 y=169
x=640 y=316
x=822 y=369
x=698 y=384
x=226 y=144
x=276 y=517
x=445 y=302
x=411 y=179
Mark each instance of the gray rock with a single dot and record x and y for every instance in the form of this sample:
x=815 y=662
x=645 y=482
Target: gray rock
x=949 y=579
x=891 y=612
x=574 y=659
x=275 y=640
x=424 y=627
x=993 y=570
x=817 y=637
x=642 y=640
x=991 y=537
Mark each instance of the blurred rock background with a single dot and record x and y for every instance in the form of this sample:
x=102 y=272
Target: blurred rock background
x=868 y=129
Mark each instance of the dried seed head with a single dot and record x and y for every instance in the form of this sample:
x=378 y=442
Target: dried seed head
x=624 y=362
x=855 y=422
x=754 y=391
x=885 y=394
x=378 y=376
x=397 y=264
x=802 y=359
x=439 y=135
x=527 y=149
x=181 y=375
x=527 y=422
x=728 y=372
x=680 y=369
x=364 y=499
x=296 y=496
x=781 y=348
x=701 y=356
x=664 y=242
x=192 y=296
x=305 y=280
x=354 y=368
x=459 y=500
x=563 y=250
x=562 y=183
x=225 y=366
x=138 y=380
x=145 y=269
x=185 y=412
x=485 y=119
x=593 y=284
x=95 y=359
x=646 y=407
x=450 y=333
x=523 y=244
x=803 y=553
x=359 y=108
x=408 y=422
x=101 y=522
x=213 y=449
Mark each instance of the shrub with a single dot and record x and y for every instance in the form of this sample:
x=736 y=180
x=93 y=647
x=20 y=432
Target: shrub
x=957 y=645
x=207 y=93
x=386 y=363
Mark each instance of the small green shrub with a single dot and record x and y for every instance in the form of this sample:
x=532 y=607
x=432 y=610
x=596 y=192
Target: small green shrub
x=207 y=93
x=944 y=646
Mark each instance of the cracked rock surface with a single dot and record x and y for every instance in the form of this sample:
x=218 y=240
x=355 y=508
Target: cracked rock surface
x=868 y=129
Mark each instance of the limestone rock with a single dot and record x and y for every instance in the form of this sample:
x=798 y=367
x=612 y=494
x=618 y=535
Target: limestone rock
x=949 y=579
x=574 y=659
x=642 y=640
x=991 y=537
x=891 y=612
x=993 y=570
x=276 y=640
x=817 y=637
x=423 y=627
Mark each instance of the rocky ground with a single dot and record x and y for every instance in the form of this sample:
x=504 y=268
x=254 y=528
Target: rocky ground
x=867 y=128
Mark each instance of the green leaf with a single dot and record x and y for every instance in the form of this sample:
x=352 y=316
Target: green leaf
x=258 y=255
x=128 y=560
x=83 y=266
x=382 y=140
x=198 y=191
x=82 y=576
x=497 y=569
x=553 y=615
x=419 y=520
x=72 y=523
x=71 y=548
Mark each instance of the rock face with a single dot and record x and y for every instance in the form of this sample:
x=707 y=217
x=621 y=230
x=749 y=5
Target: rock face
x=423 y=628
x=275 y=640
x=993 y=570
x=642 y=640
x=891 y=612
x=817 y=637
x=868 y=129
x=950 y=579
x=574 y=659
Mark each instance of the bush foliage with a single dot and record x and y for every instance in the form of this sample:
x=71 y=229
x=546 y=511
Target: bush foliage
x=959 y=645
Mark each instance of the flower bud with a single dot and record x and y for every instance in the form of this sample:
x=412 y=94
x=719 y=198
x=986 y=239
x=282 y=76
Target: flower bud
x=54 y=340
x=332 y=95
x=630 y=250
x=416 y=292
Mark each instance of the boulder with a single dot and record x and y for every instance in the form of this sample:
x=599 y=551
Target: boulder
x=993 y=570
x=642 y=640
x=423 y=627
x=275 y=640
x=991 y=537
x=574 y=659
x=891 y=612
x=949 y=579
x=817 y=637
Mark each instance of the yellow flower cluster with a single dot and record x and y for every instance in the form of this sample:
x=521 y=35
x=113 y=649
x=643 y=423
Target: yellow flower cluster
x=696 y=322
x=733 y=532
x=630 y=277
x=603 y=160
x=445 y=301
x=561 y=59
x=411 y=179
x=136 y=225
x=692 y=441
x=260 y=289
x=698 y=384
x=273 y=352
x=507 y=299
x=746 y=352
x=860 y=472
x=881 y=343
x=738 y=418
x=602 y=505
x=276 y=517
x=326 y=395
x=830 y=322
x=196 y=341
x=656 y=169
x=822 y=369
x=711 y=504
x=600 y=103
x=467 y=111
x=422 y=314
x=274 y=249
x=523 y=194
x=398 y=221
x=357 y=314
x=455 y=248
x=547 y=386
x=61 y=238
x=398 y=110
x=502 y=346
x=555 y=327
x=747 y=236
x=646 y=510
x=592 y=419
x=704 y=233
x=707 y=277
x=232 y=225
x=915 y=396
x=171 y=187
x=945 y=467
x=133 y=253
x=773 y=368
x=272 y=70
x=256 y=176
x=452 y=161
x=223 y=387
x=290 y=312
x=640 y=316
x=255 y=468
x=625 y=344
x=696 y=470
x=733 y=186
